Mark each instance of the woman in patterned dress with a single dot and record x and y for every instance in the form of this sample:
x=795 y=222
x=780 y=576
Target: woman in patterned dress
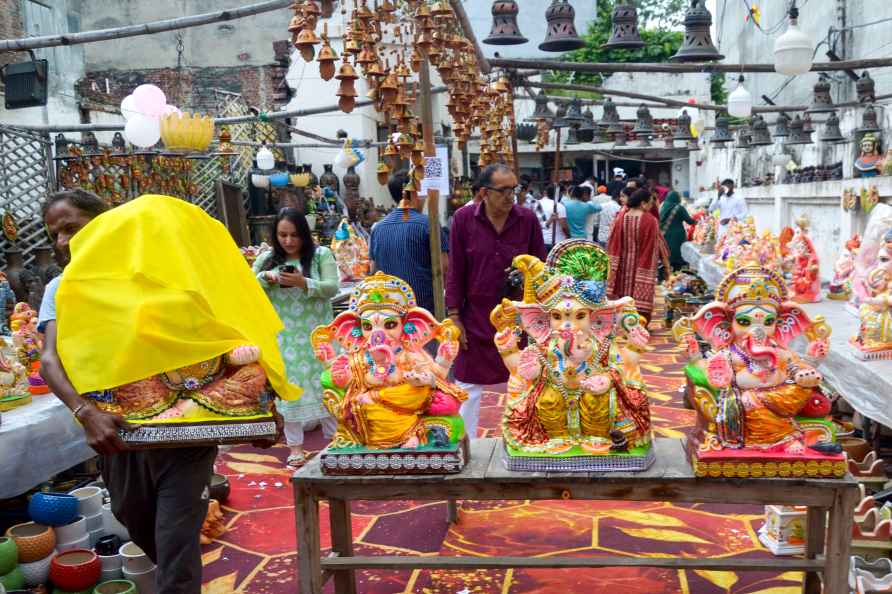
x=635 y=247
x=300 y=280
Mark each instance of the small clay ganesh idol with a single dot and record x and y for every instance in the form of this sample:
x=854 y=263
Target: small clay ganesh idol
x=840 y=288
x=803 y=261
x=576 y=401
x=351 y=253
x=760 y=409
x=396 y=410
x=874 y=340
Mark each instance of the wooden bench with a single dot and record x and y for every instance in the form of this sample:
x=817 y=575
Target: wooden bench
x=485 y=478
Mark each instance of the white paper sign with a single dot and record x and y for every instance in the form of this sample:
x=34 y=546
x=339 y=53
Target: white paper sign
x=436 y=174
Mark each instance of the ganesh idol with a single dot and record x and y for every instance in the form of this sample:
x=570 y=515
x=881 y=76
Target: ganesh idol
x=760 y=408
x=396 y=410
x=874 y=339
x=576 y=401
x=803 y=263
x=841 y=286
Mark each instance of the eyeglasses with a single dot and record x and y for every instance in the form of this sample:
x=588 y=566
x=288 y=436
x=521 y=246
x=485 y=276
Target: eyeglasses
x=501 y=191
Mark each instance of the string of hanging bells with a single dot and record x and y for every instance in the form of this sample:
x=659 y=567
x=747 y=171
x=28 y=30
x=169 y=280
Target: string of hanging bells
x=387 y=46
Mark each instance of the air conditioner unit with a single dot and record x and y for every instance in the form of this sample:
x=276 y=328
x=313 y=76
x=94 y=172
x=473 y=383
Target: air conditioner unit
x=26 y=83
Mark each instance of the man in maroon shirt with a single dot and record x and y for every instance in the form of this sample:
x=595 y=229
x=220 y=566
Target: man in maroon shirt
x=483 y=242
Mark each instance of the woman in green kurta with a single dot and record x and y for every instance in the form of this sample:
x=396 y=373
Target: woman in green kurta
x=300 y=280
x=673 y=216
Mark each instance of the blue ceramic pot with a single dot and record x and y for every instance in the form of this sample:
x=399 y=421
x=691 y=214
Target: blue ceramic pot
x=53 y=509
x=278 y=180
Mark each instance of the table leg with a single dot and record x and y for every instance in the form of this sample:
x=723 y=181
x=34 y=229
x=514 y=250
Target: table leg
x=342 y=543
x=816 y=521
x=309 y=550
x=839 y=540
x=452 y=511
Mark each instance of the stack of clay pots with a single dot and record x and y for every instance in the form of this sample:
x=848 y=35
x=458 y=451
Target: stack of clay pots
x=138 y=568
x=90 y=501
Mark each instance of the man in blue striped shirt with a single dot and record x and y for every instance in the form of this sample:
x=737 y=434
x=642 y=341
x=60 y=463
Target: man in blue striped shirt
x=400 y=244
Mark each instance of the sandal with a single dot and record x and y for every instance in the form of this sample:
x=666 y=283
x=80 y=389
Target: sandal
x=296 y=460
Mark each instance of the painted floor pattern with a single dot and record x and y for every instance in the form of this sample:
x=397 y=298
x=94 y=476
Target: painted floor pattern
x=257 y=553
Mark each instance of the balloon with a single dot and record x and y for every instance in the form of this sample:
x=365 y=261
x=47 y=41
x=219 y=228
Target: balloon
x=149 y=100
x=143 y=131
x=128 y=107
x=169 y=109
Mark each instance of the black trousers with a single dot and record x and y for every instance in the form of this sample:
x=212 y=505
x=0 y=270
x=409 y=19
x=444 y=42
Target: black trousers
x=161 y=496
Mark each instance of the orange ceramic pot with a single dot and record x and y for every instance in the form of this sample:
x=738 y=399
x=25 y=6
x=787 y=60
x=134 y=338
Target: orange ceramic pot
x=34 y=541
x=855 y=447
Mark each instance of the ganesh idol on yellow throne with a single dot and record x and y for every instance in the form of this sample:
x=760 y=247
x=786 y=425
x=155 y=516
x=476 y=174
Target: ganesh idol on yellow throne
x=576 y=401
x=760 y=408
x=396 y=410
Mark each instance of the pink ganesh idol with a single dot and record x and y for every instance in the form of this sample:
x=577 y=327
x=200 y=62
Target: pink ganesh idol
x=760 y=408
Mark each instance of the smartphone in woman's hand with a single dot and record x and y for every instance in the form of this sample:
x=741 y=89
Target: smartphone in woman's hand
x=288 y=269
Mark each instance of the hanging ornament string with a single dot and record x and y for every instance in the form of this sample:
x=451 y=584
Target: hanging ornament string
x=178 y=84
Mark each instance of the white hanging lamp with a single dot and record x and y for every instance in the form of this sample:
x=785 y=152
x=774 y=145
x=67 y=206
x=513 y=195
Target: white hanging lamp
x=740 y=102
x=265 y=158
x=794 y=51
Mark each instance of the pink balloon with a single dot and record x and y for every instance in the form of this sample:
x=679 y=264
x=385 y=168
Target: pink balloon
x=169 y=109
x=149 y=100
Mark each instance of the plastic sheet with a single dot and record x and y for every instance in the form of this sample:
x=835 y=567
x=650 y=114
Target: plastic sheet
x=38 y=441
x=702 y=264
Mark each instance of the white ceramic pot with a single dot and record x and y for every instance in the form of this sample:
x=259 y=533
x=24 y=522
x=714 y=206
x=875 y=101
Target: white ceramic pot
x=89 y=500
x=38 y=572
x=112 y=525
x=72 y=532
x=111 y=574
x=134 y=559
x=81 y=543
x=144 y=580
x=111 y=561
x=95 y=522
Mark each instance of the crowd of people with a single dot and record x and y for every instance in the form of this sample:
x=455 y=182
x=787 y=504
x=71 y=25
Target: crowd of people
x=639 y=224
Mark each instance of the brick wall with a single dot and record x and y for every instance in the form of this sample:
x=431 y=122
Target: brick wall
x=190 y=89
x=11 y=27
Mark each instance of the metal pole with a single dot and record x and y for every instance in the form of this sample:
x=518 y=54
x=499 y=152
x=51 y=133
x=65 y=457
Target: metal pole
x=433 y=194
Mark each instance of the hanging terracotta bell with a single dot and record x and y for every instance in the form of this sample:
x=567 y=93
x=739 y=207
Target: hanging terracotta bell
x=561 y=35
x=782 y=126
x=326 y=58
x=405 y=144
x=441 y=9
x=822 y=102
x=869 y=122
x=526 y=132
x=625 y=29
x=347 y=91
x=383 y=173
x=619 y=139
x=586 y=132
x=697 y=45
x=644 y=123
x=541 y=112
x=306 y=43
x=744 y=138
x=683 y=127
x=389 y=89
x=807 y=125
x=831 y=132
x=761 y=133
x=798 y=135
x=610 y=116
x=722 y=132
x=866 y=88
x=504 y=24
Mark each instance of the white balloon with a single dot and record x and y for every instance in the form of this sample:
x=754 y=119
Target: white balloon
x=143 y=131
x=128 y=107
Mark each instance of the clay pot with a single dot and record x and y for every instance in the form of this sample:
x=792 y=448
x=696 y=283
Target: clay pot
x=36 y=573
x=9 y=555
x=135 y=560
x=89 y=501
x=144 y=580
x=53 y=509
x=72 y=532
x=75 y=570
x=34 y=541
x=15 y=264
x=14 y=580
x=81 y=543
x=219 y=487
x=855 y=448
x=116 y=587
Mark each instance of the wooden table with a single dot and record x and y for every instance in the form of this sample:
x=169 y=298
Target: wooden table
x=485 y=478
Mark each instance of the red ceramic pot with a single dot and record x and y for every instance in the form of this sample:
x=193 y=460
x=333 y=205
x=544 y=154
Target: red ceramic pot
x=76 y=570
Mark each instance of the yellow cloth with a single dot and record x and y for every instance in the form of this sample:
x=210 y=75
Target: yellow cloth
x=395 y=416
x=155 y=285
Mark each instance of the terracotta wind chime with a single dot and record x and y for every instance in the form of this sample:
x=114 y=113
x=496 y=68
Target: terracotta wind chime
x=388 y=45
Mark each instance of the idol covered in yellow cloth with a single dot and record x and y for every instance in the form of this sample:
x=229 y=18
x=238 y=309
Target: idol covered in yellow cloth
x=160 y=320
